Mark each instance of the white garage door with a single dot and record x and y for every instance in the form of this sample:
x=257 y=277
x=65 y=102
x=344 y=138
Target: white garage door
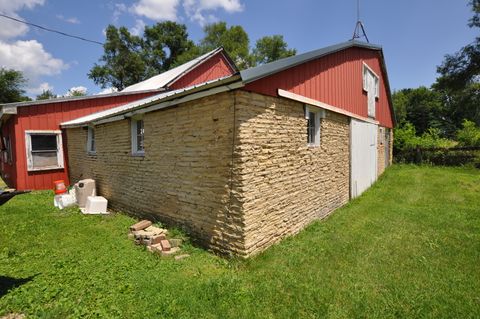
x=363 y=156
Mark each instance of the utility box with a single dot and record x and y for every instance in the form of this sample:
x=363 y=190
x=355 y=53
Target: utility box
x=95 y=205
x=83 y=189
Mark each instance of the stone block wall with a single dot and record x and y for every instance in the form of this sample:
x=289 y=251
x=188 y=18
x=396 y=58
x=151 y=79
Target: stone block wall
x=184 y=177
x=284 y=183
x=385 y=136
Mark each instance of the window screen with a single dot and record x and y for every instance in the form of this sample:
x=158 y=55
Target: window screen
x=311 y=127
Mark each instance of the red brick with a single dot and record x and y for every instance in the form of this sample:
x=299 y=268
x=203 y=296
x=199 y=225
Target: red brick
x=165 y=245
x=157 y=239
x=141 y=225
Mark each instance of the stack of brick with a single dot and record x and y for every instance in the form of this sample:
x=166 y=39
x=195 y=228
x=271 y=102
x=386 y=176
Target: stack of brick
x=155 y=238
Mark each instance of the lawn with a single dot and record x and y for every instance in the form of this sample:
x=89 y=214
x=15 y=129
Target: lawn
x=409 y=247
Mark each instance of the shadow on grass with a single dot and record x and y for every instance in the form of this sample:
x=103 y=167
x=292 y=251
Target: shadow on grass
x=8 y=283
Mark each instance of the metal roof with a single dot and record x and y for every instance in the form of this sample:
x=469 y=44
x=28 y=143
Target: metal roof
x=75 y=98
x=155 y=99
x=264 y=70
x=163 y=79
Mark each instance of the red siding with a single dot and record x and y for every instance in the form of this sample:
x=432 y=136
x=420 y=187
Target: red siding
x=335 y=79
x=48 y=117
x=214 y=68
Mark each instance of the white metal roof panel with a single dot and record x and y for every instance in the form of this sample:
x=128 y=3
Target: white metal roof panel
x=163 y=79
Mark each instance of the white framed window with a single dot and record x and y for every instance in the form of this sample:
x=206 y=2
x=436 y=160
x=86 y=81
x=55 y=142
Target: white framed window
x=91 y=145
x=44 y=150
x=371 y=84
x=313 y=115
x=138 y=137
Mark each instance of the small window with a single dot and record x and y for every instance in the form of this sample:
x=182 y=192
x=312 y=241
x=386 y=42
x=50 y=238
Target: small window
x=44 y=150
x=7 y=144
x=371 y=86
x=313 y=116
x=138 y=136
x=91 y=145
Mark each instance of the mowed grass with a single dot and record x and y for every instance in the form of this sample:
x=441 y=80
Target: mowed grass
x=409 y=247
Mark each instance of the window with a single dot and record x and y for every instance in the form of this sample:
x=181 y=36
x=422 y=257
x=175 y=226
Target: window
x=44 y=150
x=313 y=116
x=138 y=136
x=371 y=86
x=91 y=146
x=7 y=144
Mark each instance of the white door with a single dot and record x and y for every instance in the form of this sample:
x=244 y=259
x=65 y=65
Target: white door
x=363 y=156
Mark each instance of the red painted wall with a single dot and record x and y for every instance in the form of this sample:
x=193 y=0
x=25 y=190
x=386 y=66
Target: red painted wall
x=335 y=79
x=48 y=117
x=214 y=68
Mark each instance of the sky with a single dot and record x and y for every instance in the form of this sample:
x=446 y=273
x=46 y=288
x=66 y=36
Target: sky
x=415 y=34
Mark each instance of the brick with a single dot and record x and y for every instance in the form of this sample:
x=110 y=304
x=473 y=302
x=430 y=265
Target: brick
x=165 y=245
x=155 y=230
x=141 y=225
x=156 y=239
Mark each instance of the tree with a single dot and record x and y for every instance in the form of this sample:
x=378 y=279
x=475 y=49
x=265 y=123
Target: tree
x=234 y=40
x=421 y=106
x=46 y=95
x=163 y=44
x=271 y=48
x=123 y=64
x=459 y=80
x=11 y=86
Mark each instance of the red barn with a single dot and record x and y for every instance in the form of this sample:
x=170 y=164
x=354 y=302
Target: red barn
x=34 y=152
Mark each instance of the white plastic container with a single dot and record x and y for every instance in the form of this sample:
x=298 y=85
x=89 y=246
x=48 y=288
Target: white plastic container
x=95 y=205
x=83 y=189
x=63 y=200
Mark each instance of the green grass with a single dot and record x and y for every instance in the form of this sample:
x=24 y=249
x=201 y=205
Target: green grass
x=410 y=247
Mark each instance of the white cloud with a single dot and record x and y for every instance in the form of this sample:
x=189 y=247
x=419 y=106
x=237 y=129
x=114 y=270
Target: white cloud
x=120 y=8
x=107 y=91
x=197 y=10
x=40 y=88
x=156 y=10
x=138 y=28
x=72 y=20
x=9 y=6
x=80 y=89
x=11 y=29
x=30 y=58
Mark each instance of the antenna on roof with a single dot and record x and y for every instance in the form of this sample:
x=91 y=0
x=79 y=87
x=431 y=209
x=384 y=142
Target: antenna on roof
x=359 y=31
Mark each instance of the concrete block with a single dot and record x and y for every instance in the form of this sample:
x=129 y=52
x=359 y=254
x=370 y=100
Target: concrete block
x=175 y=242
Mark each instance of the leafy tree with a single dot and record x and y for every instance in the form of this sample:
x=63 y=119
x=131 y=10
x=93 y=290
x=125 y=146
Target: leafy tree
x=123 y=64
x=46 y=95
x=459 y=78
x=163 y=44
x=271 y=48
x=11 y=86
x=234 y=40
x=421 y=107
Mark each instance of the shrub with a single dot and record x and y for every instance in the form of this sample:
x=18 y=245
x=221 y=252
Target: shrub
x=469 y=135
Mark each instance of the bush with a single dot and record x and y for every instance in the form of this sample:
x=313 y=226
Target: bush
x=469 y=135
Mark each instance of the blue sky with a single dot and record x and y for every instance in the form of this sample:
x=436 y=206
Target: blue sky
x=415 y=34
